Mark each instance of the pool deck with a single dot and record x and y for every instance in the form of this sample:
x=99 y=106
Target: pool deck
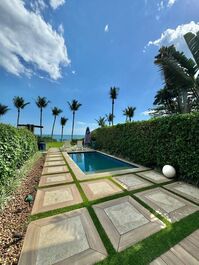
x=72 y=238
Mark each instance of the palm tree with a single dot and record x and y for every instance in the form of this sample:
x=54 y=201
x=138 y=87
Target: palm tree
x=41 y=103
x=74 y=106
x=179 y=73
x=113 y=95
x=129 y=112
x=101 y=121
x=55 y=112
x=63 y=122
x=20 y=104
x=3 y=109
x=109 y=118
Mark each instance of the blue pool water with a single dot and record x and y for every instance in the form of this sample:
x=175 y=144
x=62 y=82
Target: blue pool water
x=91 y=162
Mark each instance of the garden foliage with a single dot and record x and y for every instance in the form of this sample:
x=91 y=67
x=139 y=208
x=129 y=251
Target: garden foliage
x=170 y=140
x=16 y=146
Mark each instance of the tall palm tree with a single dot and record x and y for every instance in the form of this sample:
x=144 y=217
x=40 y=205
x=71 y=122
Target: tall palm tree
x=179 y=72
x=109 y=118
x=74 y=106
x=55 y=112
x=101 y=121
x=3 y=109
x=113 y=95
x=129 y=112
x=41 y=103
x=63 y=122
x=20 y=104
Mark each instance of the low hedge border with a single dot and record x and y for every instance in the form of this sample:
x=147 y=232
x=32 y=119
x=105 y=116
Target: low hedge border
x=167 y=140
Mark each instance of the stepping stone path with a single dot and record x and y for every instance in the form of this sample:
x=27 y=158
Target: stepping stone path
x=54 y=170
x=69 y=238
x=126 y=222
x=99 y=188
x=54 y=163
x=56 y=179
x=132 y=182
x=186 y=252
x=56 y=197
x=186 y=190
x=153 y=176
x=167 y=204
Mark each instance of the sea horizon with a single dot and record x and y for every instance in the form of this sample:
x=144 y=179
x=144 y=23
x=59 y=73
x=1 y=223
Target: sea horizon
x=66 y=137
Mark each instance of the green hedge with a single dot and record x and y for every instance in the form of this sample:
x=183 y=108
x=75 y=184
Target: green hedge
x=16 y=146
x=168 y=140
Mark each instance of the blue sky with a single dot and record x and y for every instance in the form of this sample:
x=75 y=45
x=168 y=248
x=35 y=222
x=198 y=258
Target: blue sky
x=76 y=49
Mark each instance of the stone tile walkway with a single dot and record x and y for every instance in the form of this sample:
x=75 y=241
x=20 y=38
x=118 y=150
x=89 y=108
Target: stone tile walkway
x=184 y=253
x=56 y=179
x=96 y=189
x=153 y=176
x=55 y=169
x=186 y=190
x=126 y=222
x=167 y=204
x=132 y=182
x=69 y=238
x=56 y=197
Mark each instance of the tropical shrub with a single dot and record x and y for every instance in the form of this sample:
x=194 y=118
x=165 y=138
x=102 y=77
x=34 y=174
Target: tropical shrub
x=16 y=146
x=167 y=140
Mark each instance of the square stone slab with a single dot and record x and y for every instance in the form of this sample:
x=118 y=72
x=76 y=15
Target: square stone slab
x=55 y=169
x=69 y=238
x=53 y=149
x=167 y=204
x=132 y=182
x=59 y=158
x=153 y=176
x=54 y=163
x=56 y=197
x=99 y=188
x=54 y=155
x=126 y=222
x=56 y=179
x=186 y=190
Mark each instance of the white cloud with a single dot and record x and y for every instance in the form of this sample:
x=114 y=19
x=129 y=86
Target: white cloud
x=73 y=72
x=38 y=6
x=147 y=112
x=27 y=42
x=106 y=29
x=56 y=3
x=176 y=37
x=61 y=29
x=171 y=3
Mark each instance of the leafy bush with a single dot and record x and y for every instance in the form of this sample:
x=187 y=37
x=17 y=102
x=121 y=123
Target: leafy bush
x=170 y=140
x=16 y=146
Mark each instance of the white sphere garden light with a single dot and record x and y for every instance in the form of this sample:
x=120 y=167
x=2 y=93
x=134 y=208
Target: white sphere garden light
x=169 y=171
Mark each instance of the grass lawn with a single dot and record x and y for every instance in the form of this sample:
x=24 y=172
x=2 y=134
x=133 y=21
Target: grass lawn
x=54 y=144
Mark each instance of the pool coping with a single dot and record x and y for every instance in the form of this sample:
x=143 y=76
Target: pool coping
x=80 y=175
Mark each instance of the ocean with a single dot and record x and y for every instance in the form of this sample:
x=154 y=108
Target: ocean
x=66 y=137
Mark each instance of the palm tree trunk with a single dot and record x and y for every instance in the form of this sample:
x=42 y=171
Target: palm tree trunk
x=130 y=119
x=40 y=122
x=18 y=115
x=53 y=127
x=112 y=111
x=73 y=125
x=62 y=131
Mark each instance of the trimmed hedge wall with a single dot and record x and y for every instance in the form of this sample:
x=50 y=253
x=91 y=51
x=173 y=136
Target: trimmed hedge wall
x=16 y=146
x=170 y=140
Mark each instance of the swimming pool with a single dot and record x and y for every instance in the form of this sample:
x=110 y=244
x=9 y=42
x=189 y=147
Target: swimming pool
x=90 y=162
